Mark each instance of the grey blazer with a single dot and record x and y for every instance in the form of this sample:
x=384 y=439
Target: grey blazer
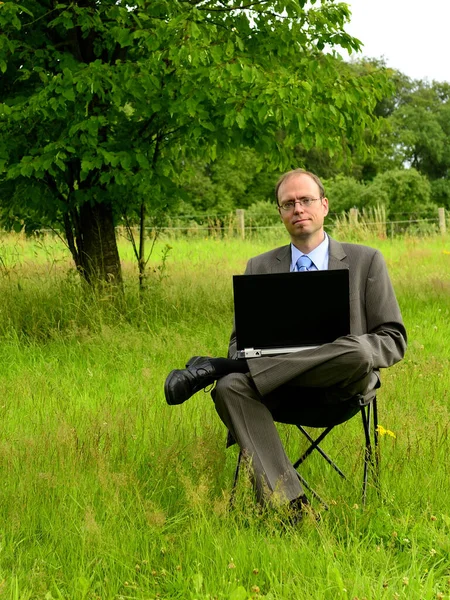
x=374 y=310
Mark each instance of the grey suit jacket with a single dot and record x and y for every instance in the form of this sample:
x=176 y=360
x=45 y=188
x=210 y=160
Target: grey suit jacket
x=374 y=310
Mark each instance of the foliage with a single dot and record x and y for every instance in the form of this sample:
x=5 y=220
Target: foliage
x=440 y=192
x=343 y=193
x=408 y=193
x=102 y=102
x=262 y=213
x=420 y=126
x=223 y=185
x=403 y=192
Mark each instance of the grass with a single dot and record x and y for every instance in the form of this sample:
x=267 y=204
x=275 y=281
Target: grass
x=108 y=493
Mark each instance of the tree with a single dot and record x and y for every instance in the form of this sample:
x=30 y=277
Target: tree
x=420 y=129
x=102 y=102
x=405 y=193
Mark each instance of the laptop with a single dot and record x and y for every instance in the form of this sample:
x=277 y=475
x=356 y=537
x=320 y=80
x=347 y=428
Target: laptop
x=279 y=313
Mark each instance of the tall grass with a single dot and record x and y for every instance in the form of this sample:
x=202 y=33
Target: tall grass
x=107 y=492
x=355 y=227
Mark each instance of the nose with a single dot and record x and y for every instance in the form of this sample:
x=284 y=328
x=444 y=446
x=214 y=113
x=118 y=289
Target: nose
x=298 y=206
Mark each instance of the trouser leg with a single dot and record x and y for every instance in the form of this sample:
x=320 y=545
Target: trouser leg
x=342 y=364
x=239 y=405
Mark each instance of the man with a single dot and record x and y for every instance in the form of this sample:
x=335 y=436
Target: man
x=250 y=394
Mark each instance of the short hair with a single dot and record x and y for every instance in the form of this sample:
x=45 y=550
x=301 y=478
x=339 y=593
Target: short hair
x=289 y=174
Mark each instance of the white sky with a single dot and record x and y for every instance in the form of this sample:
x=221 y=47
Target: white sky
x=412 y=35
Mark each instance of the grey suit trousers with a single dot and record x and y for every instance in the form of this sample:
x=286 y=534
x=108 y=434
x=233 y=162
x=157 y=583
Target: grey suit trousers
x=285 y=388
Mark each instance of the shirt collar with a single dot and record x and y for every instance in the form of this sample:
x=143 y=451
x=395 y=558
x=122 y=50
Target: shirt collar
x=319 y=255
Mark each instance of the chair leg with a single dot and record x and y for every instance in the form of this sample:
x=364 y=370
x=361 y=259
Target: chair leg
x=236 y=476
x=315 y=446
x=306 y=485
x=366 y=414
x=377 y=447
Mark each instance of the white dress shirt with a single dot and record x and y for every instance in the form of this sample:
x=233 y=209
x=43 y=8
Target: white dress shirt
x=318 y=256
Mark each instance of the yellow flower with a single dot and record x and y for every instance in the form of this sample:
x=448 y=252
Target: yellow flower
x=382 y=431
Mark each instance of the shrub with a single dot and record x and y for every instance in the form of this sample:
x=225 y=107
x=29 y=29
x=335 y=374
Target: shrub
x=408 y=193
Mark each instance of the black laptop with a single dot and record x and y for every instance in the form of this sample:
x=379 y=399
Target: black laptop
x=279 y=313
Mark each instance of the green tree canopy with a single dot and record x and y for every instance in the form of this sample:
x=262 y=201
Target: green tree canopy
x=420 y=128
x=102 y=102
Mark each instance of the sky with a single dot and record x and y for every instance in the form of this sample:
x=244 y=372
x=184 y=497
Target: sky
x=412 y=35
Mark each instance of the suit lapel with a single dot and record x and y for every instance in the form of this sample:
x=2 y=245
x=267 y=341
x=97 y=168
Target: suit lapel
x=337 y=258
x=282 y=262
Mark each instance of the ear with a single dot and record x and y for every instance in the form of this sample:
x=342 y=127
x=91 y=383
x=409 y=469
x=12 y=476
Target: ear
x=325 y=206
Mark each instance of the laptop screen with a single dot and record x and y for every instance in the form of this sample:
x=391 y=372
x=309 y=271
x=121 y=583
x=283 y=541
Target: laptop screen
x=282 y=310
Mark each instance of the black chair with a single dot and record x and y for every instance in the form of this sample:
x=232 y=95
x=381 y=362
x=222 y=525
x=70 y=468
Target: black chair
x=366 y=405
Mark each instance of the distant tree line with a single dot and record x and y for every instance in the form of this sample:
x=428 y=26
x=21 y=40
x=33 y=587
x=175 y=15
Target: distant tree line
x=407 y=169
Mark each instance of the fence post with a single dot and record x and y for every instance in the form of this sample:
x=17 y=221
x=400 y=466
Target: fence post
x=353 y=216
x=442 y=226
x=240 y=221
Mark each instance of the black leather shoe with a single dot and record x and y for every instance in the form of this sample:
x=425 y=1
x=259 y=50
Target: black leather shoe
x=181 y=384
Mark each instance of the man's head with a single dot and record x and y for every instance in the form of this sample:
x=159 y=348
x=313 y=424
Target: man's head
x=303 y=207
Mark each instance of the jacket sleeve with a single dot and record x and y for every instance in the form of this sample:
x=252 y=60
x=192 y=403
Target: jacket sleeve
x=232 y=349
x=386 y=332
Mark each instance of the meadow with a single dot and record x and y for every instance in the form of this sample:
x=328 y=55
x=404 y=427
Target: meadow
x=108 y=493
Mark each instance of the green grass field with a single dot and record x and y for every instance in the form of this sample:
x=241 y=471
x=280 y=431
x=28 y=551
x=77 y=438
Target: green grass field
x=108 y=493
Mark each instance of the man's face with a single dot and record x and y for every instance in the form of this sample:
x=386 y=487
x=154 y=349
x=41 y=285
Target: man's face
x=303 y=223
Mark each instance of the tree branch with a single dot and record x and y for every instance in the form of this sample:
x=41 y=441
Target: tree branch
x=131 y=236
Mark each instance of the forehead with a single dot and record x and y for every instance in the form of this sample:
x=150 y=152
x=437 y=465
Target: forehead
x=298 y=185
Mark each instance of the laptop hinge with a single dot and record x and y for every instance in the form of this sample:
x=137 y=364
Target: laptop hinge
x=249 y=353
x=252 y=353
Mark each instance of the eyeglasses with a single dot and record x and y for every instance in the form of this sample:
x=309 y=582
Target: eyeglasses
x=290 y=204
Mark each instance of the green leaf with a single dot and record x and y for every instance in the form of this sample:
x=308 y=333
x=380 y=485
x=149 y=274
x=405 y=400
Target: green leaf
x=68 y=93
x=247 y=74
x=123 y=36
x=239 y=593
x=195 y=31
x=142 y=161
x=229 y=50
x=240 y=120
x=5 y=109
x=239 y=43
x=125 y=160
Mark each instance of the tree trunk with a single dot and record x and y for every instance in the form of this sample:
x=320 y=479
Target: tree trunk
x=91 y=231
x=141 y=257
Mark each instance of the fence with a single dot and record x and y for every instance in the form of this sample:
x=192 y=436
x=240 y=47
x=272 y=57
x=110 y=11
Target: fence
x=355 y=223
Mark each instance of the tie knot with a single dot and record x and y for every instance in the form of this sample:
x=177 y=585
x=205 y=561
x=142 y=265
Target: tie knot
x=304 y=263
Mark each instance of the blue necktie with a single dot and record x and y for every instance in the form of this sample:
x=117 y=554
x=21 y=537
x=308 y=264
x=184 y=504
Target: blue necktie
x=304 y=263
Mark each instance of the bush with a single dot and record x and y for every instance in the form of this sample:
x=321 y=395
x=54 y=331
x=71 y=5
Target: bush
x=408 y=193
x=343 y=193
x=440 y=192
x=262 y=214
